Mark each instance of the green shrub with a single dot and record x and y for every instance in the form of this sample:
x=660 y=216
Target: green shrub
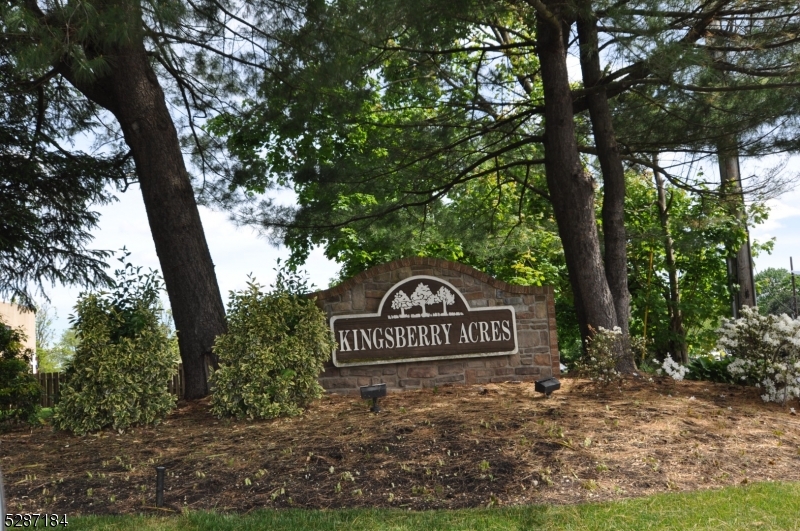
x=20 y=392
x=274 y=350
x=710 y=369
x=119 y=375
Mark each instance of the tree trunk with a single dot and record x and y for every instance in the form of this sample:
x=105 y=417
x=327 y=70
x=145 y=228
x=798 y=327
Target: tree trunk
x=571 y=188
x=613 y=215
x=677 y=341
x=132 y=93
x=740 y=261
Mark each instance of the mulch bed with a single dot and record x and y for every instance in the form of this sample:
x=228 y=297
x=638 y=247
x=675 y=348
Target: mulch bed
x=453 y=447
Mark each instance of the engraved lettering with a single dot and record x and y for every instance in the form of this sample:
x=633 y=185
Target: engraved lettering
x=435 y=339
x=388 y=334
x=446 y=328
x=506 y=330
x=366 y=340
x=400 y=336
x=412 y=338
x=484 y=332
x=495 y=330
x=344 y=345
x=422 y=331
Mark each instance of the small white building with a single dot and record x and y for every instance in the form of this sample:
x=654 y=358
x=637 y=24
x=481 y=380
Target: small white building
x=17 y=317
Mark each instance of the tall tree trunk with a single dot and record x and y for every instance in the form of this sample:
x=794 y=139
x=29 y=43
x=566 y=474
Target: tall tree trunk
x=740 y=261
x=677 y=341
x=614 y=238
x=571 y=188
x=132 y=93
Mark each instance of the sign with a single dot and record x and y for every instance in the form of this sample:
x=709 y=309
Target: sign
x=423 y=318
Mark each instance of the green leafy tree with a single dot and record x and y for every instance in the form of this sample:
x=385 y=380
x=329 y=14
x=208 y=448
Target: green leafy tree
x=58 y=356
x=118 y=377
x=775 y=294
x=702 y=230
x=380 y=108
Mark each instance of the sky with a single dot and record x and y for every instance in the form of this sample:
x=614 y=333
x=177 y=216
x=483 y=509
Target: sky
x=236 y=251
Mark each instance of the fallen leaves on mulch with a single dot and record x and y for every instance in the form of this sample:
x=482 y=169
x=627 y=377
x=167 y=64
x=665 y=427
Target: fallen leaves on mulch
x=462 y=446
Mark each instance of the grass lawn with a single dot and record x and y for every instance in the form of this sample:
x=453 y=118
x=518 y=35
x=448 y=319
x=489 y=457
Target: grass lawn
x=758 y=506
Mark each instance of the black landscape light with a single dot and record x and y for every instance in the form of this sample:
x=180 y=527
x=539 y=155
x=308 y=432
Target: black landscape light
x=547 y=386
x=374 y=392
x=160 y=486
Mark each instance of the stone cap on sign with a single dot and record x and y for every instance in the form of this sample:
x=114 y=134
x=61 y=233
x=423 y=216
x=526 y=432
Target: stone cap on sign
x=430 y=262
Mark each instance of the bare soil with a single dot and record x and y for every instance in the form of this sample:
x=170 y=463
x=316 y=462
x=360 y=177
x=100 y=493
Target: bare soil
x=462 y=446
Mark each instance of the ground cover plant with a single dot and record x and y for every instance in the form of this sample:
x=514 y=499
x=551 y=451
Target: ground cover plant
x=446 y=448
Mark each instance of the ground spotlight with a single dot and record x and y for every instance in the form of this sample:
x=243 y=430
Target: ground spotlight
x=547 y=386
x=374 y=392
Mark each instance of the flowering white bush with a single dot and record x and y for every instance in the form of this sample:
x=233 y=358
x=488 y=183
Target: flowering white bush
x=599 y=362
x=674 y=370
x=766 y=349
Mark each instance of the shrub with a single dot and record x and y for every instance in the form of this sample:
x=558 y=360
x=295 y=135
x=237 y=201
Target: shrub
x=710 y=369
x=118 y=377
x=274 y=349
x=765 y=351
x=599 y=362
x=20 y=393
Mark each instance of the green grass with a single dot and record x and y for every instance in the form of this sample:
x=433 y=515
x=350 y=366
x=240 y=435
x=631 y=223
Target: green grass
x=754 y=507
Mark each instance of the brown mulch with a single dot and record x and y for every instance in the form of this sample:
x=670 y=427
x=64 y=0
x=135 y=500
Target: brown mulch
x=453 y=447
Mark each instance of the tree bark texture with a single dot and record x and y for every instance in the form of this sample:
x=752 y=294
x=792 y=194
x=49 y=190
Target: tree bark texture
x=132 y=93
x=571 y=188
x=613 y=214
x=677 y=340
x=740 y=261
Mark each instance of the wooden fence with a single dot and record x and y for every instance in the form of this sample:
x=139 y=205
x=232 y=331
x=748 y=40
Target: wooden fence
x=50 y=382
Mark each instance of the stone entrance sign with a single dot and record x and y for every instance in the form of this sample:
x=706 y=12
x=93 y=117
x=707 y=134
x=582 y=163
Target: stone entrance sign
x=423 y=318
x=424 y=322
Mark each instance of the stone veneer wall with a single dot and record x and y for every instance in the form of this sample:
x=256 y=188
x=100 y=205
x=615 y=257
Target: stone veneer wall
x=536 y=328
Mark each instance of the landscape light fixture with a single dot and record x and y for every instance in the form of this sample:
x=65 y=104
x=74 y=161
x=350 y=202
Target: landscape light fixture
x=374 y=392
x=547 y=386
x=160 y=486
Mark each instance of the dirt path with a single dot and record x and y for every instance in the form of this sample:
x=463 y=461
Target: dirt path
x=457 y=447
